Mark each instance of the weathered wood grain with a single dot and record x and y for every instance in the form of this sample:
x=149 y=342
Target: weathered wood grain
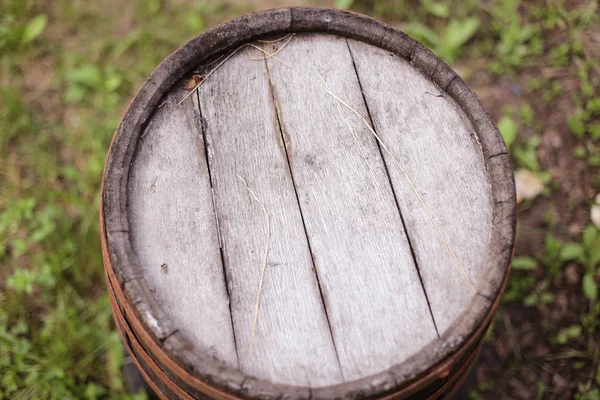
x=292 y=342
x=173 y=348
x=173 y=229
x=436 y=147
x=378 y=311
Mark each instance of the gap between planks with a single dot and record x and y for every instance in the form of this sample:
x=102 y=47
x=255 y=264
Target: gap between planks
x=289 y=167
x=229 y=155
x=379 y=140
x=277 y=113
x=297 y=199
x=220 y=240
x=387 y=172
x=369 y=200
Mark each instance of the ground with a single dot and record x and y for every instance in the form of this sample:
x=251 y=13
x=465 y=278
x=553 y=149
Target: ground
x=68 y=69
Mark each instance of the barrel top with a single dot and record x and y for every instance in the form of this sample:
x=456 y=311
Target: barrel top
x=331 y=209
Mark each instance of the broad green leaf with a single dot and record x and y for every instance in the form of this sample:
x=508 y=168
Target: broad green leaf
x=439 y=9
x=553 y=245
x=526 y=155
x=195 y=23
x=589 y=234
x=524 y=263
x=576 y=123
x=75 y=94
x=508 y=129
x=343 y=4
x=459 y=32
x=565 y=334
x=571 y=251
x=422 y=32
x=525 y=33
x=19 y=247
x=54 y=372
x=527 y=158
x=541 y=389
x=594 y=129
x=113 y=82
x=94 y=391
x=579 y=152
x=526 y=112
x=9 y=382
x=593 y=105
x=530 y=300
x=34 y=28
x=153 y=6
x=594 y=250
x=546 y=298
x=22 y=281
x=88 y=75
x=590 y=289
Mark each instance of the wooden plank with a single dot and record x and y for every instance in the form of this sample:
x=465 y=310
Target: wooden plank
x=292 y=342
x=173 y=229
x=377 y=308
x=436 y=146
x=124 y=261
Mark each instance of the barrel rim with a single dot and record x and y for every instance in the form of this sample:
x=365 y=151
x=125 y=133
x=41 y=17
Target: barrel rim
x=435 y=357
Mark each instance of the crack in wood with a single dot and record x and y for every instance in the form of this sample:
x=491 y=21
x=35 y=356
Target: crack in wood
x=435 y=69
x=490 y=298
x=127 y=280
x=449 y=83
x=287 y=157
x=164 y=339
x=382 y=38
x=387 y=172
x=118 y=231
x=411 y=52
x=502 y=153
x=219 y=239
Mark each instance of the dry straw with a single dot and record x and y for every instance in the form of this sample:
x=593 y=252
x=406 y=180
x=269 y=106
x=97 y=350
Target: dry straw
x=387 y=150
x=323 y=85
x=263 y=267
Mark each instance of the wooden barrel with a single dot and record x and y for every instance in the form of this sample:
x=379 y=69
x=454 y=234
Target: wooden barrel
x=331 y=214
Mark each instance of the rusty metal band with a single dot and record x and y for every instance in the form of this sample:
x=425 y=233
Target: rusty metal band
x=135 y=348
x=456 y=380
x=142 y=371
x=448 y=373
x=443 y=369
x=452 y=386
x=450 y=368
x=449 y=379
x=140 y=356
x=148 y=343
x=127 y=346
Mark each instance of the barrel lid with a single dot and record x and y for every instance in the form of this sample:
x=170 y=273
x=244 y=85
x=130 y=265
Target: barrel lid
x=331 y=213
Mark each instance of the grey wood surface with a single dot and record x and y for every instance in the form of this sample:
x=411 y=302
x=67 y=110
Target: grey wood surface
x=435 y=146
x=174 y=230
x=377 y=308
x=292 y=342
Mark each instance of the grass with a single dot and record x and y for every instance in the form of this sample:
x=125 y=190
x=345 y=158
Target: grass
x=67 y=71
x=66 y=76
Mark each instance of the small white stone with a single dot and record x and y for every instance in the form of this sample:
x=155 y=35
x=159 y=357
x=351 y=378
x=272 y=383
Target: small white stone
x=595 y=215
x=528 y=185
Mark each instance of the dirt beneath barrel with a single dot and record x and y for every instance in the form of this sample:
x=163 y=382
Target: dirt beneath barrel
x=521 y=358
